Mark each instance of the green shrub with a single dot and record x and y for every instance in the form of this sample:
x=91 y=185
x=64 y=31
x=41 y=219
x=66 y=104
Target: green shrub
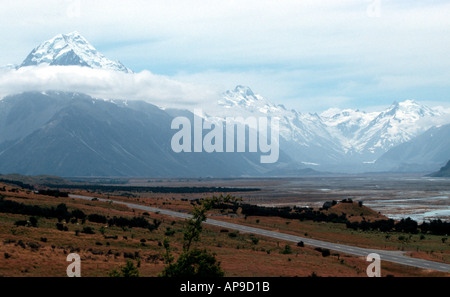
x=194 y=263
x=169 y=231
x=33 y=222
x=129 y=270
x=232 y=234
x=255 y=240
x=87 y=230
x=287 y=250
x=21 y=223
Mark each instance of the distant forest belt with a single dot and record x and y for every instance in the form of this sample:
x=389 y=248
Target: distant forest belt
x=17 y=183
x=105 y=188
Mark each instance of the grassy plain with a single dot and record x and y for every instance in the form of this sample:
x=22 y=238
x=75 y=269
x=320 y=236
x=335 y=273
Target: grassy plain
x=42 y=250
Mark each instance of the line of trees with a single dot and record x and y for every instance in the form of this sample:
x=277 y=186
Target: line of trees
x=408 y=225
x=229 y=202
x=136 y=222
x=112 y=188
x=17 y=183
x=62 y=213
x=53 y=193
x=302 y=214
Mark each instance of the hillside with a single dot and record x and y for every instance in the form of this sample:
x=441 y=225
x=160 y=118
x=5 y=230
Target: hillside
x=443 y=172
x=426 y=152
x=72 y=134
x=356 y=212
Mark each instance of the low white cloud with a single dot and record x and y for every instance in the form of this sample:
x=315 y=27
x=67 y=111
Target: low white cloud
x=438 y=121
x=146 y=86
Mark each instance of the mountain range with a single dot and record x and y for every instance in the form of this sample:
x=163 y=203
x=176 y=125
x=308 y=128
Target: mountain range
x=70 y=134
x=73 y=134
x=351 y=140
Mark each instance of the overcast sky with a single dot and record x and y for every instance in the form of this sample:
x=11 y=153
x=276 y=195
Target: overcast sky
x=306 y=54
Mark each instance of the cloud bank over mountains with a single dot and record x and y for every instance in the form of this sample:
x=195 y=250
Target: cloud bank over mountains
x=156 y=89
x=308 y=55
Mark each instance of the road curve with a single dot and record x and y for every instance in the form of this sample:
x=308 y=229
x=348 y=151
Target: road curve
x=390 y=256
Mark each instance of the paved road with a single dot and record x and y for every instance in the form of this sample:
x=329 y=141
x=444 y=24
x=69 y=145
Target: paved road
x=390 y=256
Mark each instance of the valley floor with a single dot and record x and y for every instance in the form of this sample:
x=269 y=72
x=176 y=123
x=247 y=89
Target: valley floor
x=42 y=250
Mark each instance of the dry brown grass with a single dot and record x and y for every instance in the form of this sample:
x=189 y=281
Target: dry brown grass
x=239 y=256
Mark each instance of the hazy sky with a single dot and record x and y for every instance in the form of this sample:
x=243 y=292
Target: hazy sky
x=306 y=54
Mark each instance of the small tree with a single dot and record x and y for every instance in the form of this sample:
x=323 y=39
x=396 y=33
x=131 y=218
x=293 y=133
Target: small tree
x=287 y=250
x=88 y=230
x=195 y=262
x=128 y=270
x=21 y=223
x=102 y=230
x=325 y=253
x=168 y=257
x=194 y=224
x=33 y=221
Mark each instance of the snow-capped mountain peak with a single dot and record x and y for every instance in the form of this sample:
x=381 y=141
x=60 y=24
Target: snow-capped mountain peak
x=244 y=98
x=406 y=113
x=71 y=49
x=305 y=137
x=375 y=133
x=244 y=90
